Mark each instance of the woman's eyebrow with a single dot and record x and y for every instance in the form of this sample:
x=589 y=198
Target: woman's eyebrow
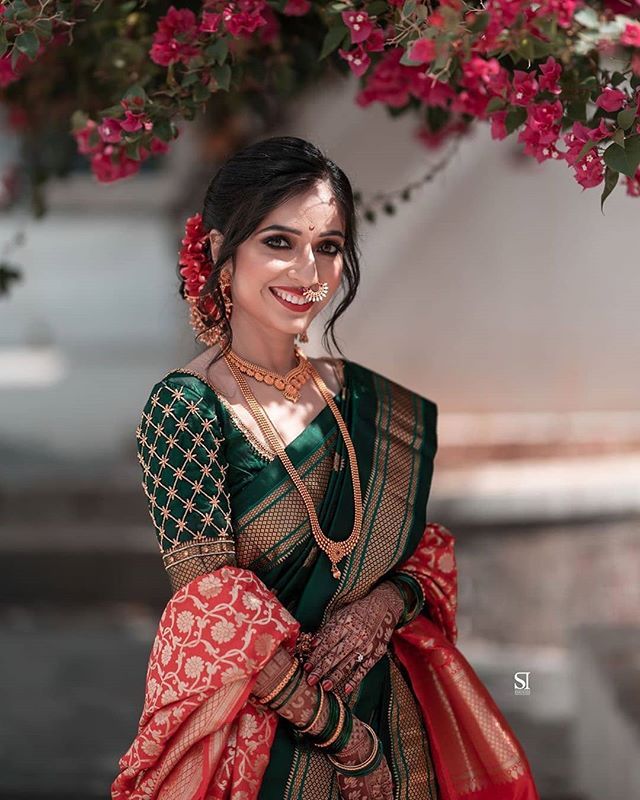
x=297 y=232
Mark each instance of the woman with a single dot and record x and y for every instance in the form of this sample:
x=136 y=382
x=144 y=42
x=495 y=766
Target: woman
x=308 y=650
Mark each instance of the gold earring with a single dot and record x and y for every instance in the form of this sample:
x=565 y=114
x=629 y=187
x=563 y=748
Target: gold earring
x=202 y=311
x=224 y=281
x=302 y=337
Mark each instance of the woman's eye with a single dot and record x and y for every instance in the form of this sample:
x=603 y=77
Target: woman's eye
x=270 y=243
x=337 y=249
x=275 y=239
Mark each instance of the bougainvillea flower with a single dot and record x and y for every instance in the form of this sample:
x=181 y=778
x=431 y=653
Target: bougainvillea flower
x=210 y=22
x=525 y=88
x=631 y=35
x=551 y=72
x=357 y=59
x=359 y=24
x=175 y=37
x=107 y=169
x=297 y=8
x=422 y=51
x=611 y=99
x=110 y=130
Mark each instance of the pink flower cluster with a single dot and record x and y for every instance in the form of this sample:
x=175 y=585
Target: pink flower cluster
x=393 y=84
x=178 y=34
x=104 y=142
x=366 y=36
x=195 y=267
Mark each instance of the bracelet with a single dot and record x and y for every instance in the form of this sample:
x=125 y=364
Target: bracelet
x=283 y=696
x=402 y=580
x=341 y=742
x=339 y=726
x=316 y=714
x=368 y=765
x=330 y=725
x=294 y=666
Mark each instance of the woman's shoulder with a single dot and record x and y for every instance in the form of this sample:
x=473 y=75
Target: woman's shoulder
x=180 y=393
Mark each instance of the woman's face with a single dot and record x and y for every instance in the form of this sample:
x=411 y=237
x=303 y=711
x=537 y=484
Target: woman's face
x=298 y=243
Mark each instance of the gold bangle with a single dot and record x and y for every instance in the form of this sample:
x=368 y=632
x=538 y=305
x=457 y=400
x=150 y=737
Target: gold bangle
x=368 y=760
x=294 y=666
x=316 y=716
x=341 y=719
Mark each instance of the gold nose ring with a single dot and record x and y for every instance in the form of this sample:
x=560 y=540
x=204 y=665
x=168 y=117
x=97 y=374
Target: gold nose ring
x=316 y=292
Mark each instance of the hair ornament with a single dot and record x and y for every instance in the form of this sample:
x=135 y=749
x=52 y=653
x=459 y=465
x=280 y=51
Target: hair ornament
x=195 y=268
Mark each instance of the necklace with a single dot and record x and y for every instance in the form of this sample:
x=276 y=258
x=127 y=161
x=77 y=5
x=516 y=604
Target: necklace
x=289 y=384
x=335 y=551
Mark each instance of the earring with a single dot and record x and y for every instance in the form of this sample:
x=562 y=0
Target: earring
x=203 y=311
x=224 y=281
x=302 y=337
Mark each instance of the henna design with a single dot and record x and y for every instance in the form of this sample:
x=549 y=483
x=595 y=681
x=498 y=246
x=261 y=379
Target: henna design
x=363 y=626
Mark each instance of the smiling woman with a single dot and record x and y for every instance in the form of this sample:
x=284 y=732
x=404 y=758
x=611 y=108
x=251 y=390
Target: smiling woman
x=308 y=650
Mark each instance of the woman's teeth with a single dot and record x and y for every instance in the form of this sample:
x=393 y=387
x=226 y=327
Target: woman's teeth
x=292 y=298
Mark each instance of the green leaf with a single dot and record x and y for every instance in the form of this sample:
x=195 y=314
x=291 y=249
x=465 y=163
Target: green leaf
x=377 y=7
x=610 y=181
x=624 y=159
x=333 y=39
x=409 y=7
x=44 y=28
x=495 y=104
x=222 y=73
x=217 y=51
x=479 y=23
x=516 y=115
x=200 y=93
x=617 y=78
x=136 y=90
x=618 y=137
x=27 y=42
x=132 y=149
x=162 y=130
x=626 y=117
x=3 y=40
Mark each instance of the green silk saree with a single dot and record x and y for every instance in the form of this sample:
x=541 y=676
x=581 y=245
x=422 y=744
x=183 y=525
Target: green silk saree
x=248 y=576
x=247 y=511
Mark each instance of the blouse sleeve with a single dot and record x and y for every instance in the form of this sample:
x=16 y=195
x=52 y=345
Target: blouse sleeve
x=180 y=450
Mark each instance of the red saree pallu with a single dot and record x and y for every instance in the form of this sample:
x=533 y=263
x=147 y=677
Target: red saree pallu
x=200 y=737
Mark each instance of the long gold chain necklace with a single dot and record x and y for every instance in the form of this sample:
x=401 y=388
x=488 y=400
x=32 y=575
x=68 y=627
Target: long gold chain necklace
x=289 y=384
x=335 y=551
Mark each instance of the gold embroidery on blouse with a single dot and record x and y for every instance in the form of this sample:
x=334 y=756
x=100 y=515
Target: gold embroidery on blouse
x=184 y=482
x=245 y=430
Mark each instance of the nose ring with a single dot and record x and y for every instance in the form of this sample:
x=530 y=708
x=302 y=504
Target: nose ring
x=316 y=292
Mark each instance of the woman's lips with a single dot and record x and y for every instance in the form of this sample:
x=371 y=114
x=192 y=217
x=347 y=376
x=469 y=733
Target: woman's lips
x=289 y=305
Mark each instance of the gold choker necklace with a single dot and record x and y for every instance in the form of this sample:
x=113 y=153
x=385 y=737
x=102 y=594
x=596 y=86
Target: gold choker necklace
x=289 y=384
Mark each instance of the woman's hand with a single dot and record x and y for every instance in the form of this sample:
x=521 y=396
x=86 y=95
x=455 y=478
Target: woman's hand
x=378 y=784
x=356 y=635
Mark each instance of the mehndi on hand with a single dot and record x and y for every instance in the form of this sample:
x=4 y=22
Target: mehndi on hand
x=355 y=637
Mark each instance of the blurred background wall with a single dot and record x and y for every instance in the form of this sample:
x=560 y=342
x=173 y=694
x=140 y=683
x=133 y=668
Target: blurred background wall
x=500 y=292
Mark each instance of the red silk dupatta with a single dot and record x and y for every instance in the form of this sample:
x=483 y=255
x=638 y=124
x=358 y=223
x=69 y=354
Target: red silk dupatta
x=200 y=737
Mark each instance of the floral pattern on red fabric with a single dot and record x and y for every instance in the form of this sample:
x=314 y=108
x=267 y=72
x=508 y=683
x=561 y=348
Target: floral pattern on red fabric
x=199 y=733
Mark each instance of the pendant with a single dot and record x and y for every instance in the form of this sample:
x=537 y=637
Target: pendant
x=335 y=571
x=291 y=393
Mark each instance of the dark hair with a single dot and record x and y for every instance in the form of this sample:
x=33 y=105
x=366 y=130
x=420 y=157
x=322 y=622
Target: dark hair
x=248 y=186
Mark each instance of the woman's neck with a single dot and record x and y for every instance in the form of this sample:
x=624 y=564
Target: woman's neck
x=274 y=351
